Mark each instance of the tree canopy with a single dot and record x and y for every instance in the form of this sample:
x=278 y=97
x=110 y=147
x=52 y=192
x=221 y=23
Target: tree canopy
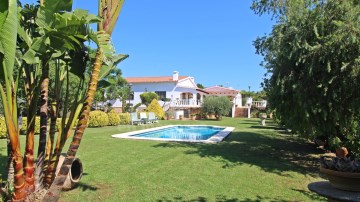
x=312 y=57
x=219 y=106
x=147 y=97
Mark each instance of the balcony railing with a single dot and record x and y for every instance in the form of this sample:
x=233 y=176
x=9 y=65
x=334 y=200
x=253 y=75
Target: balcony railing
x=259 y=104
x=185 y=103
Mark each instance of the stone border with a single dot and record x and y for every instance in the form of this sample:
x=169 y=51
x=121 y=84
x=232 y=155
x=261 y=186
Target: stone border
x=213 y=139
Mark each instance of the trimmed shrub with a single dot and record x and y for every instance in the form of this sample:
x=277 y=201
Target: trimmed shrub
x=124 y=118
x=2 y=127
x=148 y=97
x=114 y=118
x=98 y=119
x=155 y=107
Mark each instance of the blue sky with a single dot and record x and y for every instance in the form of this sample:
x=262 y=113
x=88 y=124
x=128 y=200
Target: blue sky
x=208 y=40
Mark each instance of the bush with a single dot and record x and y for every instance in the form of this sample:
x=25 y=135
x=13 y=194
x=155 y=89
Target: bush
x=114 y=118
x=148 y=97
x=2 y=127
x=124 y=118
x=155 y=107
x=219 y=106
x=98 y=119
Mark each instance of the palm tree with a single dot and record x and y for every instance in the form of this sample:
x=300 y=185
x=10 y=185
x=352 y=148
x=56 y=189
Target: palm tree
x=109 y=11
x=8 y=90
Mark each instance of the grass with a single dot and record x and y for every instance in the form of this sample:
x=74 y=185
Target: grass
x=254 y=163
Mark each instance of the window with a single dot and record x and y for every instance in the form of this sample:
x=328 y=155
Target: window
x=161 y=94
x=131 y=96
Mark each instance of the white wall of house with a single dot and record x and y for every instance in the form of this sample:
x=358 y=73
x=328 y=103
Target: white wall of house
x=140 y=88
x=173 y=90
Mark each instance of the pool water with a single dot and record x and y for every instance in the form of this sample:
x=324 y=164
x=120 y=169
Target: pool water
x=191 y=133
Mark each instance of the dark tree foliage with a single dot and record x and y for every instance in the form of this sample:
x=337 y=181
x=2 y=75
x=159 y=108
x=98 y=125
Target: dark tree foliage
x=147 y=97
x=199 y=85
x=313 y=61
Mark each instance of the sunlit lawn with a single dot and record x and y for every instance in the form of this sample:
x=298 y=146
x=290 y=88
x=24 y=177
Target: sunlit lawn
x=254 y=163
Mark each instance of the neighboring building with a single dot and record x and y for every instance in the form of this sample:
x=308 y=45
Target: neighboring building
x=179 y=93
x=232 y=94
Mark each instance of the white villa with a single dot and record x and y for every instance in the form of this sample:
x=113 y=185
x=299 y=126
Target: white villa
x=182 y=92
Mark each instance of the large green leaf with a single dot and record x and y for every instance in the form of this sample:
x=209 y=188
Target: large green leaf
x=110 y=64
x=8 y=34
x=4 y=5
x=48 y=9
x=30 y=57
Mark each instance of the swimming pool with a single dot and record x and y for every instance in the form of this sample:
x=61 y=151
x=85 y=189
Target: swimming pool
x=185 y=133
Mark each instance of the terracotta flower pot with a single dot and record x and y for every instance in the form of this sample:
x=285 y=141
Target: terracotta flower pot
x=342 y=180
x=75 y=173
x=341 y=152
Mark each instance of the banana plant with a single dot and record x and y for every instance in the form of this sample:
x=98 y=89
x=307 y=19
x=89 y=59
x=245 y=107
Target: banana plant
x=8 y=89
x=109 y=12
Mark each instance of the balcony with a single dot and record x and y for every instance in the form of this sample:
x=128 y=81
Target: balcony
x=259 y=104
x=185 y=103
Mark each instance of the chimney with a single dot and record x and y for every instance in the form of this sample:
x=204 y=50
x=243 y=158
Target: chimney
x=175 y=76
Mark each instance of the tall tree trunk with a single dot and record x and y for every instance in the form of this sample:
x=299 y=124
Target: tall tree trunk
x=49 y=167
x=44 y=109
x=43 y=118
x=19 y=180
x=55 y=188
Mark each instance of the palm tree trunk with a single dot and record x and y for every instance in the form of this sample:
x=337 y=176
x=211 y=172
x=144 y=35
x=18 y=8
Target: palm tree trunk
x=55 y=188
x=44 y=109
x=49 y=167
x=19 y=180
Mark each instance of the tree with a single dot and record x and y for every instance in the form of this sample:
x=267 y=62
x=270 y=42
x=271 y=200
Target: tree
x=155 y=107
x=112 y=87
x=312 y=59
x=8 y=90
x=105 y=28
x=50 y=39
x=147 y=97
x=219 y=106
x=199 y=85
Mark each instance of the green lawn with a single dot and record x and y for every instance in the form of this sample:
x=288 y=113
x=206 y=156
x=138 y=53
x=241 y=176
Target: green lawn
x=254 y=163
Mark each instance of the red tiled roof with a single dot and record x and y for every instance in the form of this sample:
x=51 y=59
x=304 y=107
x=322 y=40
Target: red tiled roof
x=156 y=79
x=217 y=90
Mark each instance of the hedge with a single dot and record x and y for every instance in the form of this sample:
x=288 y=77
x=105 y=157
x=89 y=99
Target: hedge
x=124 y=118
x=114 y=118
x=2 y=127
x=98 y=118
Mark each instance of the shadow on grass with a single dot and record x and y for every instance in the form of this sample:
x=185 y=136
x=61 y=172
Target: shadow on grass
x=272 y=153
x=85 y=187
x=225 y=199
x=265 y=127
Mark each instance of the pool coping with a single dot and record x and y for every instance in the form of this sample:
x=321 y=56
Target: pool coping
x=213 y=139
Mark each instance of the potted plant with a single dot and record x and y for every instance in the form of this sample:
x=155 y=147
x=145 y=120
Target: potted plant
x=342 y=171
x=193 y=116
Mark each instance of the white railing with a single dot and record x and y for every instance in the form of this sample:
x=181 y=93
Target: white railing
x=259 y=104
x=185 y=103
